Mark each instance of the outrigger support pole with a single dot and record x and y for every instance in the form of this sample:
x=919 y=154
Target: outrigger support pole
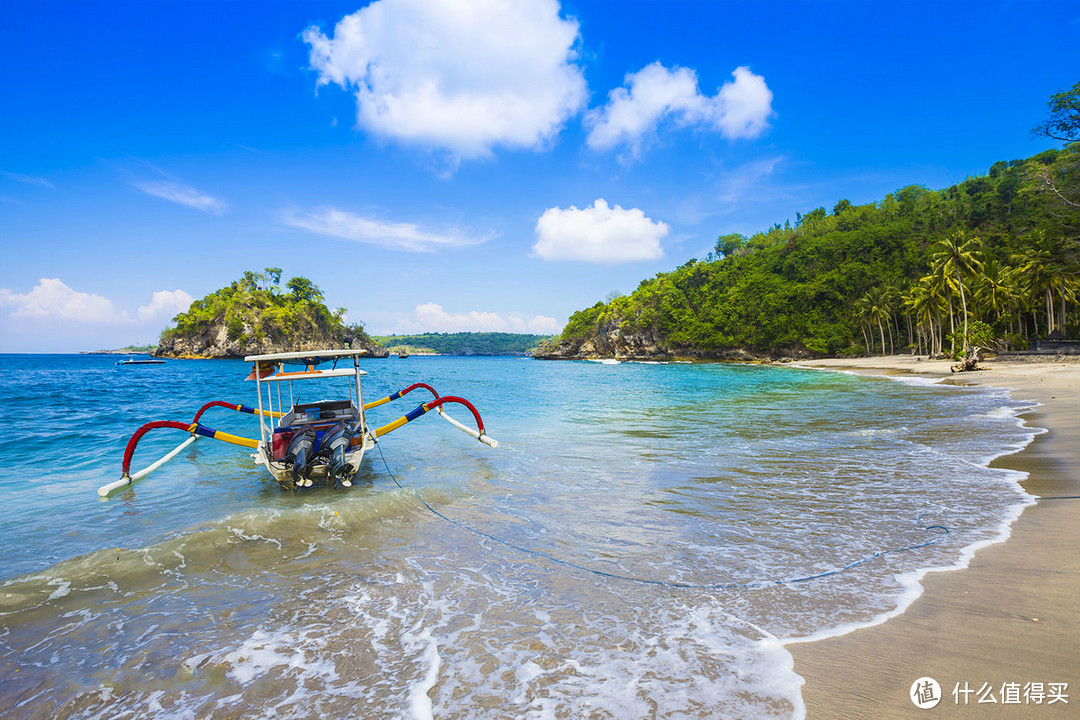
x=489 y=441
x=126 y=478
x=437 y=405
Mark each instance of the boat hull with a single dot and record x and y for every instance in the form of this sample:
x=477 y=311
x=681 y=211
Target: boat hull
x=317 y=473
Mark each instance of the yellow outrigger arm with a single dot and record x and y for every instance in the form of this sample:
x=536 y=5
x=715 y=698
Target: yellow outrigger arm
x=437 y=405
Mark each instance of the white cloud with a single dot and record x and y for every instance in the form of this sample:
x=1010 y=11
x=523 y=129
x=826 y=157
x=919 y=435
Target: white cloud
x=430 y=317
x=28 y=179
x=165 y=304
x=53 y=317
x=598 y=234
x=740 y=109
x=51 y=298
x=182 y=195
x=461 y=76
x=397 y=236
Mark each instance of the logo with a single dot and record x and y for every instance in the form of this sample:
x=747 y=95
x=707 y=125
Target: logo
x=925 y=693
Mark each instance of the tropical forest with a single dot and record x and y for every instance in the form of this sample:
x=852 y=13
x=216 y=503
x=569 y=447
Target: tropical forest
x=461 y=343
x=992 y=261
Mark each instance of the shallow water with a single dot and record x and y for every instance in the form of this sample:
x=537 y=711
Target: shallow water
x=641 y=544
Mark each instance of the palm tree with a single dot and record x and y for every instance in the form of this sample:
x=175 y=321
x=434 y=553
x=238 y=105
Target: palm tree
x=925 y=305
x=862 y=311
x=1036 y=272
x=996 y=289
x=938 y=293
x=958 y=256
x=874 y=307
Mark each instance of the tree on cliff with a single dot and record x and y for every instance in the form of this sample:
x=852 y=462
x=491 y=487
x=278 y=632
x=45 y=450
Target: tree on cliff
x=1063 y=122
x=1062 y=181
x=304 y=290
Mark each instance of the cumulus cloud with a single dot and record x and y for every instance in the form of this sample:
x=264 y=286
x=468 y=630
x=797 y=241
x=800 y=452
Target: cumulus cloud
x=396 y=236
x=51 y=298
x=464 y=76
x=182 y=195
x=598 y=234
x=430 y=317
x=740 y=109
x=165 y=304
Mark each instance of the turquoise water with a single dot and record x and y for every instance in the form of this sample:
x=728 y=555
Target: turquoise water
x=205 y=590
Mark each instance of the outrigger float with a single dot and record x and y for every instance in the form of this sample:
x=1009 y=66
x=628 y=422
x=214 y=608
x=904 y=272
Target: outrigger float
x=316 y=442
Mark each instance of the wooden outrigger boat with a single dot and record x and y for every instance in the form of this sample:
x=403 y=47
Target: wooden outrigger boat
x=309 y=442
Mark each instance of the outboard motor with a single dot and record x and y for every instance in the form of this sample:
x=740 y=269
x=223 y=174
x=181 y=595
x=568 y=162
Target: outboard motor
x=335 y=444
x=301 y=448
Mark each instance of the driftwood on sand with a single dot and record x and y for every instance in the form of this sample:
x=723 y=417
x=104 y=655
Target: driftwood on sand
x=970 y=361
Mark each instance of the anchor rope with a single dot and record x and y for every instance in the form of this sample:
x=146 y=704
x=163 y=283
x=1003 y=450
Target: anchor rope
x=675 y=583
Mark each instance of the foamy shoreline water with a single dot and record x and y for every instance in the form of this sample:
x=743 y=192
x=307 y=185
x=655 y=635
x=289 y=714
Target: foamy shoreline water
x=961 y=625
x=737 y=489
x=912 y=581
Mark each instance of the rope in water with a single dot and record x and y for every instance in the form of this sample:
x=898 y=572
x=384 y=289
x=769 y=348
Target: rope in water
x=674 y=583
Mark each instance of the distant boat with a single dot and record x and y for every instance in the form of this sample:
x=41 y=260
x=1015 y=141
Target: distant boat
x=147 y=361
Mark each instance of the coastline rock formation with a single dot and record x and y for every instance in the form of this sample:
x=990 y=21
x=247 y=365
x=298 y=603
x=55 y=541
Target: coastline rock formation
x=253 y=316
x=610 y=341
x=213 y=341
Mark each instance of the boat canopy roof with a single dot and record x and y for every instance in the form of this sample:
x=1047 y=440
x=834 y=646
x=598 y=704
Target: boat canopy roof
x=308 y=357
x=313 y=374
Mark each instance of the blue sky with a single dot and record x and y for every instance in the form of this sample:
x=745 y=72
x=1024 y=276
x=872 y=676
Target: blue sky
x=443 y=166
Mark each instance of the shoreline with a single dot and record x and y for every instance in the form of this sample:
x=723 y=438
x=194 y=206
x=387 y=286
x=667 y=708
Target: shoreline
x=1009 y=616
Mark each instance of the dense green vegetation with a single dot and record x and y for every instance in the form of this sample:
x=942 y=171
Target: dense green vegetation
x=464 y=343
x=256 y=311
x=994 y=259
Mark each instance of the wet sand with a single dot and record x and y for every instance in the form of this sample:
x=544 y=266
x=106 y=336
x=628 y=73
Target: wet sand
x=1012 y=616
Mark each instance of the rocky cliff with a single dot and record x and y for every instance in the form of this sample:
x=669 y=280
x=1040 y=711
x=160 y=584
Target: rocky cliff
x=213 y=341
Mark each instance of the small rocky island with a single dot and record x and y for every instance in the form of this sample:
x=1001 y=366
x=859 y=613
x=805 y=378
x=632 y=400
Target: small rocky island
x=255 y=315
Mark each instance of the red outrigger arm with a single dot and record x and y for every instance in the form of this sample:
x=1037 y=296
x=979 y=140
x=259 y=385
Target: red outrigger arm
x=193 y=428
x=400 y=393
x=233 y=406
